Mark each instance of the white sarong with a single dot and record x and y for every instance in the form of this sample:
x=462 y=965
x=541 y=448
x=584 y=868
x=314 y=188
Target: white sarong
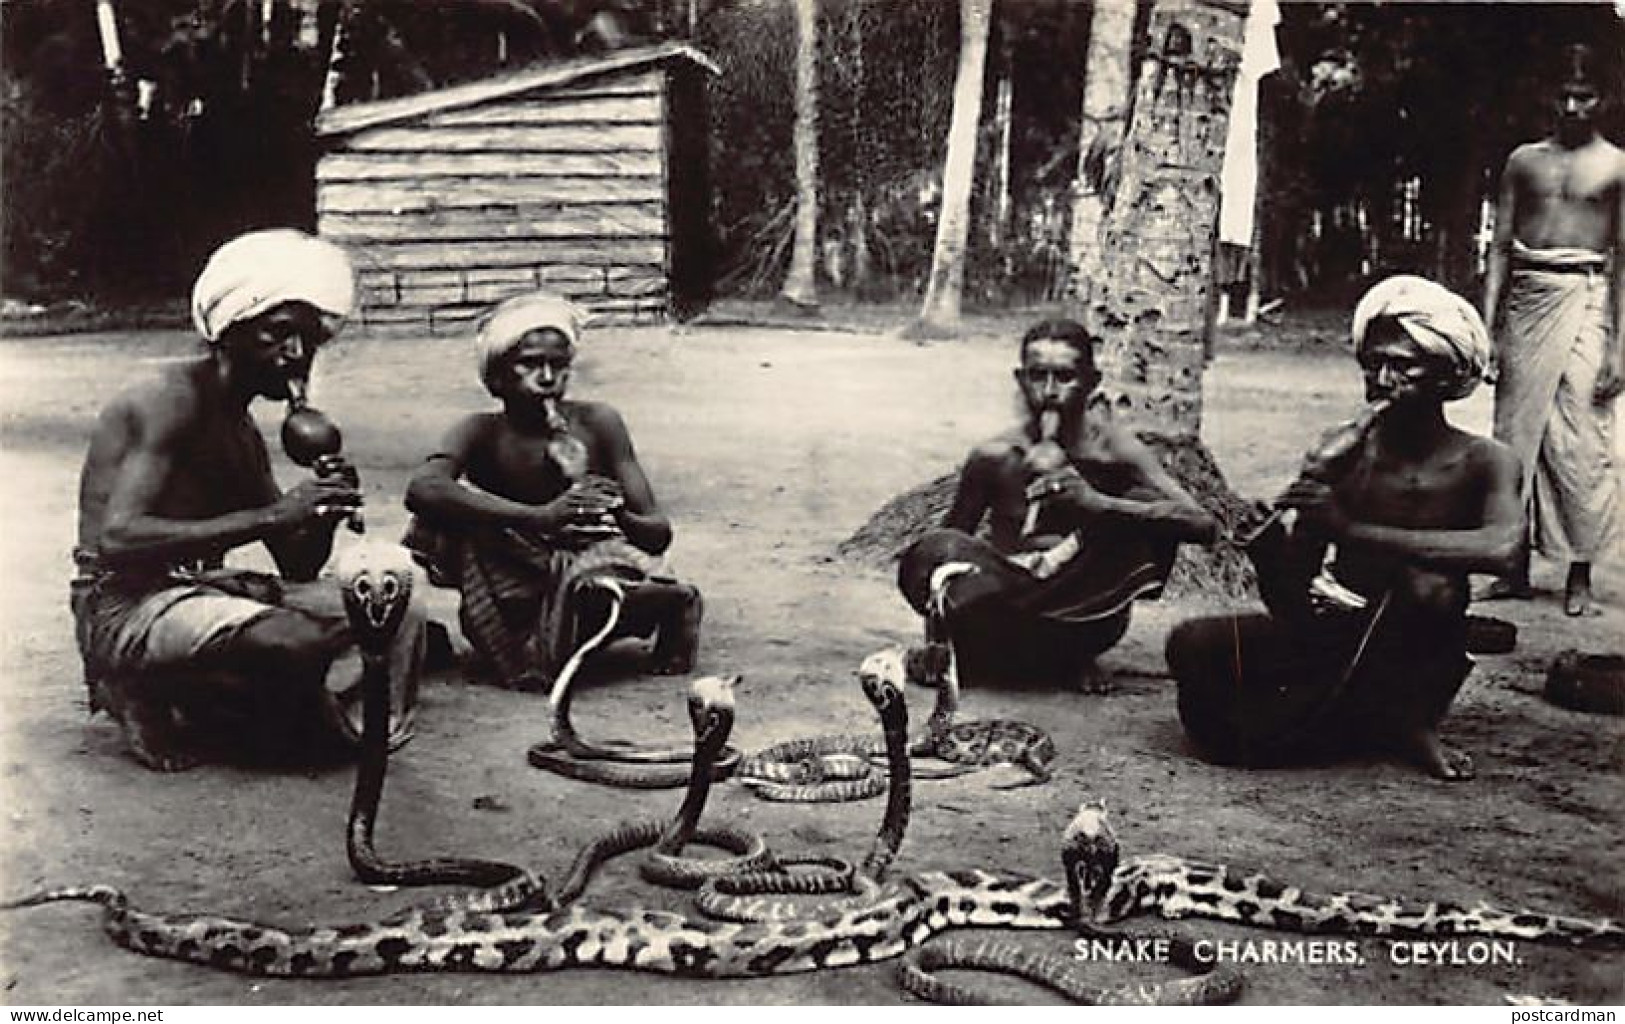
x=1552 y=342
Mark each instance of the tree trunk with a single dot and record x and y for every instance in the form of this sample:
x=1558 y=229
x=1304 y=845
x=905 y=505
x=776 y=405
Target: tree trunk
x=1151 y=304
x=939 y=314
x=1152 y=296
x=800 y=284
x=1100 y=137
x=1002 y=102
x=861 y=276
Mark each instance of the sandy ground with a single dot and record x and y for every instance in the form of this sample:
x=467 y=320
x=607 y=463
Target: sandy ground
x=768 y=448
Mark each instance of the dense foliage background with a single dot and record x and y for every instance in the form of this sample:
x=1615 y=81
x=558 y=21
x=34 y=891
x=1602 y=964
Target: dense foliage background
x=1384 y=130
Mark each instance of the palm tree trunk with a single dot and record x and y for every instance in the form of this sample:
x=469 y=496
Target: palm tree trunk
x=1150 y=305
x=939 y=314
x=800 y=283
x=1100 y=138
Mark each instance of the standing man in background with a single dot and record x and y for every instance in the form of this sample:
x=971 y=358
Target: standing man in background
x=1554 y=303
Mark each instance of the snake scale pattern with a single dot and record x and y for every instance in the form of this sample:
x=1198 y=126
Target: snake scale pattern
x=886 y=920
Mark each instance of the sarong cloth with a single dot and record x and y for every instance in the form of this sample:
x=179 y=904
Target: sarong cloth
x=1306 y=684
x=166 y=621
x=518 y=590
x=1551 y=349
x=1008 y=624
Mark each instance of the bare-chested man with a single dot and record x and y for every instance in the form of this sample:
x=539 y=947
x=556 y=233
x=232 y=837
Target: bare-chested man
x=516 y=506
x=1555 y=304
x=1368 y=655
x=178 y=475
x=1081 y=520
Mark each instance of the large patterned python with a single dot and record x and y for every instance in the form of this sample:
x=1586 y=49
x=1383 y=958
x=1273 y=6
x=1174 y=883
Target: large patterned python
x=906 y=912
x=1109 y=889
x=613 y=762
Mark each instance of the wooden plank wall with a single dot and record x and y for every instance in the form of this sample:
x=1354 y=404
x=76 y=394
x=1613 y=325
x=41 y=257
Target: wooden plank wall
x=565 y=190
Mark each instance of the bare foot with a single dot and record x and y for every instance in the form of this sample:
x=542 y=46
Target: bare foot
x=1092 y=679
x=1505 y=589
x=1577 y=599
x=1437 y=758
x=154 y=739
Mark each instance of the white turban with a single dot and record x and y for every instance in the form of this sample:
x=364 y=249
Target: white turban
x=263 y=269
x=1441 y=323
x=513 y=318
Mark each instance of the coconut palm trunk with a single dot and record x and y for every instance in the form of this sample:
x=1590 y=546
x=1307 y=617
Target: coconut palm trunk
x=1150 y=305
x=1100 y=139
x=800 y=289
x=939 y=314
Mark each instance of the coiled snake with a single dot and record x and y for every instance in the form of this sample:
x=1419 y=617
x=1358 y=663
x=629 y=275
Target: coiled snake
x=743 y=896
x=819 y=768
x=614 y=763
x=376 y=584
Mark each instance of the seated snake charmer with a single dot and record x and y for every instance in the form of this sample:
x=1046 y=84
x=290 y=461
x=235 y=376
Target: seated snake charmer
x=1366 y=656
x=1081 y=521
x=518 y=505
x=178 y=475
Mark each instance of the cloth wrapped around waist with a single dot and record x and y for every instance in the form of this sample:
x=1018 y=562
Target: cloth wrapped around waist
x=516 y=588
x=1557 y=259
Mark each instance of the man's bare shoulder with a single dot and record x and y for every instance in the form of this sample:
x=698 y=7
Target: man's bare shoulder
x=1525 y=158
x=598 y=416
x=1615 y=157
x=1115 y=441
x=158 y=405
x=1485 y=452
x=1000 y=446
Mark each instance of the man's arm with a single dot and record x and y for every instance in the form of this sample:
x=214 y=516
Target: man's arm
x=436 y=491
x=299 y=551
x=1491 y=547
x=638 y=515
x=1500 y=254
x=1611 y=376
x=132 y=531
x=1161 y=503
x=973 y=495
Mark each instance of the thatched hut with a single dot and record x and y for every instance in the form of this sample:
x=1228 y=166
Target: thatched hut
x=586 y=176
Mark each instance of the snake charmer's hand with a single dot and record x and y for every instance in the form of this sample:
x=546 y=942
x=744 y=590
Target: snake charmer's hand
x=1068 y=487
x=319 y=498
x=1317 y=505
x=336 y=465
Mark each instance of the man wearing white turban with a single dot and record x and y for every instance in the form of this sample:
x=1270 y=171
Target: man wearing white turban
x=1368 y=653
x=178 y=475
x=517 y=507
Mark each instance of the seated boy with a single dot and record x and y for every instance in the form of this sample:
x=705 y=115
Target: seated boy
x=517 y=506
